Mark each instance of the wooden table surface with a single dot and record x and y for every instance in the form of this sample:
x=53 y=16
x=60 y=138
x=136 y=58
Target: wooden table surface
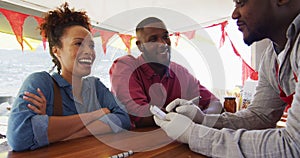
x=147 y=142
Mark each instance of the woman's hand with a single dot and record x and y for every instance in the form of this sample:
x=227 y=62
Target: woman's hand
x=102 y=112
x=99 y=113
x=38 y=103
x=89 y=117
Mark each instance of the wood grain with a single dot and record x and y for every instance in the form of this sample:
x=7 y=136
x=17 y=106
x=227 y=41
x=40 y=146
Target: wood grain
x=146 y=142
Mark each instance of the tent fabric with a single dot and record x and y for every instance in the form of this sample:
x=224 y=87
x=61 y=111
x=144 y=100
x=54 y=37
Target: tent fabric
x=123 y=15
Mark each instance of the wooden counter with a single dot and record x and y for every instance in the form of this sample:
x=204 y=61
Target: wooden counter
x=146 y=142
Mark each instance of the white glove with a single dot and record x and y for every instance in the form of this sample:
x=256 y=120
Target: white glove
x=186 y=108
x=177 y=126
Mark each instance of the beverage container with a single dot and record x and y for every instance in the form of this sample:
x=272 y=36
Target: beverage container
x=230 y=104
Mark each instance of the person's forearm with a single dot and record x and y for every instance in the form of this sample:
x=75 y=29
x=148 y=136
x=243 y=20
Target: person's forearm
x=243 y=143
x=94 y=128
x=61 y=127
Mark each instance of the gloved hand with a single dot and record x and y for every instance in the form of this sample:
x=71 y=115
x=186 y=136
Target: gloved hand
x=177 y=126
x=186 y=108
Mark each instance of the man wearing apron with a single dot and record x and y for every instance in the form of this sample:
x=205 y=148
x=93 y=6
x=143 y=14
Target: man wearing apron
x=251 y=132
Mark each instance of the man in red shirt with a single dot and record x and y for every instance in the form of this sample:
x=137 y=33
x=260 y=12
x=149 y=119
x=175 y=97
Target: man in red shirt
x=152 y=79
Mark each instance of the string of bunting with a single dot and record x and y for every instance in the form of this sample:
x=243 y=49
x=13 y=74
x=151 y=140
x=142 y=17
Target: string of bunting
x=16 y=21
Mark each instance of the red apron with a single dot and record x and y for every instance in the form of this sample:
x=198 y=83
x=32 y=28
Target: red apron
x=282 y=95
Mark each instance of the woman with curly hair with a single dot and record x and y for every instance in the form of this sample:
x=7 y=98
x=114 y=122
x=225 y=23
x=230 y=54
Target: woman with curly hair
x=86 y=106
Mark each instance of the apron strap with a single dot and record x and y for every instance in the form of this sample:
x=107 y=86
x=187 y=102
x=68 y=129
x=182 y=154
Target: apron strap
x=57 y=103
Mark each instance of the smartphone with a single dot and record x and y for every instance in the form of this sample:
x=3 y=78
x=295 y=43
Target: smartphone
x=158 y=112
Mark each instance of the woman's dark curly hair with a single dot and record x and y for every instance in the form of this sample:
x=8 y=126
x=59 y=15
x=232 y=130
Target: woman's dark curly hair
x=55 y=23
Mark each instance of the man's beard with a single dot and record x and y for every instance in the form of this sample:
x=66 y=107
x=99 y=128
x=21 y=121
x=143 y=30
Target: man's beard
x=157 y=62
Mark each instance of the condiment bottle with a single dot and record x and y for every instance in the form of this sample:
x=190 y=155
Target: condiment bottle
x=230 y=104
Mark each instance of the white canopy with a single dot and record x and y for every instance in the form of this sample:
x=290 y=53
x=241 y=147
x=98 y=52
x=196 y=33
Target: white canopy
x=123 y=15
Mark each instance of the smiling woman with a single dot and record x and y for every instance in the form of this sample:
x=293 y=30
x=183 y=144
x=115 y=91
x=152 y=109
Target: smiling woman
x=84 y=111
x=16 y=65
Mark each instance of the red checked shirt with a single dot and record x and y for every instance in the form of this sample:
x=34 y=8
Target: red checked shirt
x=137 y=86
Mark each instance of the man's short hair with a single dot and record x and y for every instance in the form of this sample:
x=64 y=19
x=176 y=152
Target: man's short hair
x=145 y=22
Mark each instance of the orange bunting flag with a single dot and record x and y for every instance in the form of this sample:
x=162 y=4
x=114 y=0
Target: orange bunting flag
x=40 y=21
x=177 y=34
x=190 y=34
x=16 y=21
x=223 y=25
x=105 y=36
x=127 y=41
x=247 y=71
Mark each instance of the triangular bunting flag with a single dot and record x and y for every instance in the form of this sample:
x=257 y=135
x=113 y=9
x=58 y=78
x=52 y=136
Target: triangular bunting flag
x=40 y=21
x=16 y=21
x=222 y=40
x=127 y=41
x=190 y=34
x=105 y=36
